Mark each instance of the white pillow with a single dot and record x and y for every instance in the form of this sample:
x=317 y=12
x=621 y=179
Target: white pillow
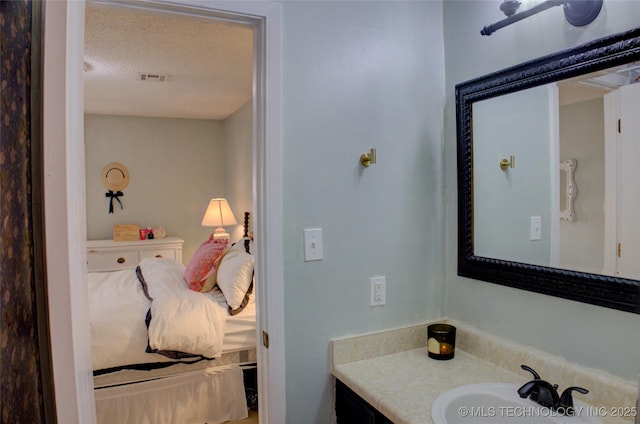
x=235 y=275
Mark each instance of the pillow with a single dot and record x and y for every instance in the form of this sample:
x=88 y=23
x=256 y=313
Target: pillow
x=203 y=262
x=210 y=282
x=235 y=276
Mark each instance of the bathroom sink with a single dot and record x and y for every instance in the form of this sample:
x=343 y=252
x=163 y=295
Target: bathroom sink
x=495 y=403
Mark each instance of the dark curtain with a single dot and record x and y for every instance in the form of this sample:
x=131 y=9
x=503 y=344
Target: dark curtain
x=26 y=389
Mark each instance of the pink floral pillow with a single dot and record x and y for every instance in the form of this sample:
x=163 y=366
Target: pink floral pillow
x=203 y=263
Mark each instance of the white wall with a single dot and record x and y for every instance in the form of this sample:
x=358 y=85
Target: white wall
x=359 y=75
x=580 y=332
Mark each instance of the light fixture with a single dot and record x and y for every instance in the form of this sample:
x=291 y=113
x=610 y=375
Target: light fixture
x=219 y=214
x=576 y=12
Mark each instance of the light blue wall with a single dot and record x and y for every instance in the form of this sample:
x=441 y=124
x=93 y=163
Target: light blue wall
x=502 y=127
x=238 y=165
x=359 y=75
x=590 y=335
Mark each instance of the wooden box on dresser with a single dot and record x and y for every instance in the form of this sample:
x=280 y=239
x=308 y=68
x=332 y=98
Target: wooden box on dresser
x=109 y=255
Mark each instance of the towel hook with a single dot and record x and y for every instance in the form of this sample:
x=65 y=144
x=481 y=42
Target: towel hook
x=368 y=158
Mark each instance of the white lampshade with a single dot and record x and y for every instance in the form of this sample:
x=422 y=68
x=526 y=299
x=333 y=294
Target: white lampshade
x=219 y=214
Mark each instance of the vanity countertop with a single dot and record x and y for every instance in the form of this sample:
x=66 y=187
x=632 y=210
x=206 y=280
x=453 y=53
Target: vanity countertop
x=406 y=381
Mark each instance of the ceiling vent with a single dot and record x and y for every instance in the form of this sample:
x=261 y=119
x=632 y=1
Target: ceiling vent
x=142 y=76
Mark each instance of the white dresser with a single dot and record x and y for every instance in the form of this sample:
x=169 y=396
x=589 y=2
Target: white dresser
x=109 y=255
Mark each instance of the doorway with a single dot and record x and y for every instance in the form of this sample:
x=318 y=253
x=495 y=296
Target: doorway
x=64 y=166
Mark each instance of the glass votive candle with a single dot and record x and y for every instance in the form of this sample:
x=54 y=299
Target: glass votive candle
x=441 y=341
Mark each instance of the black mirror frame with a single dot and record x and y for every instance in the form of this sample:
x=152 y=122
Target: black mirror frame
x=611 y=292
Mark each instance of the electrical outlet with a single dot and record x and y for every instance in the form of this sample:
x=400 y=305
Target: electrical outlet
x=378 y=290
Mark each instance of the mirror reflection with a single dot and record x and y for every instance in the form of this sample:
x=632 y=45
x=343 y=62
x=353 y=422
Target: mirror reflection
x=554 y=179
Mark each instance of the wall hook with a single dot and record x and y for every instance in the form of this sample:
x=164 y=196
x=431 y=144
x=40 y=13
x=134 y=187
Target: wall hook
x=508 y=163
x=368 y=158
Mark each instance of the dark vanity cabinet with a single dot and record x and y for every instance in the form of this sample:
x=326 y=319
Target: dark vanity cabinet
x=352 y=409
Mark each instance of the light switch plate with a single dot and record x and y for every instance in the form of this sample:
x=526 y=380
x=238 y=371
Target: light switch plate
x=535 y=228
x=313 y=244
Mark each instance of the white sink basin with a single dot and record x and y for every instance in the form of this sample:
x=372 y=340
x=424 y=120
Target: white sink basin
x=497 y=403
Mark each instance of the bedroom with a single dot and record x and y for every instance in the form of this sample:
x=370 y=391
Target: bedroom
x=181 y=140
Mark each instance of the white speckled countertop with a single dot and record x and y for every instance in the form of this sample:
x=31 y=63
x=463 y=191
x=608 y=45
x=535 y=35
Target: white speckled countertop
x=407 y=381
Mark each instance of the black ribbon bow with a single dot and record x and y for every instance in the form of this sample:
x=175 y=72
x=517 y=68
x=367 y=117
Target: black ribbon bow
x=116 y=196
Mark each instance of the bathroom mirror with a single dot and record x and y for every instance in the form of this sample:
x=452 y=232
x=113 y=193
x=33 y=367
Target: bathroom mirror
x=515 y=128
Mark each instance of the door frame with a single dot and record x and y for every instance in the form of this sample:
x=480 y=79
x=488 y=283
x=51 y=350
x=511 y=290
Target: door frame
x=65 y=199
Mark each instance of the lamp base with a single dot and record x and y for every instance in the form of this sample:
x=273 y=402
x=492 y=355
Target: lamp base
x=219 y=233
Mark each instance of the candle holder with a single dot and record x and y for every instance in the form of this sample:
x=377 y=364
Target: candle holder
x=441 y=341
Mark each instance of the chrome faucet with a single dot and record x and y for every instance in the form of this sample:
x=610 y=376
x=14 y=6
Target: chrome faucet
x=546 y=394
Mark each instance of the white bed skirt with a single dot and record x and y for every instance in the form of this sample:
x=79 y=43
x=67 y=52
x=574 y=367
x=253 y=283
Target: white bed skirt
x=211 y=396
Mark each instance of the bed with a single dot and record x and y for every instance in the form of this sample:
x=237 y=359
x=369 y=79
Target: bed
x=172 y=343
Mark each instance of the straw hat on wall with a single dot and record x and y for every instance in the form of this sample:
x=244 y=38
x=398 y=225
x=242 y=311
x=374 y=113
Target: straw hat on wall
x=115 y=176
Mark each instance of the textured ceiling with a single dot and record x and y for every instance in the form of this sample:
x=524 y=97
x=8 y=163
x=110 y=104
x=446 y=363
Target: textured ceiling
x=209 y=64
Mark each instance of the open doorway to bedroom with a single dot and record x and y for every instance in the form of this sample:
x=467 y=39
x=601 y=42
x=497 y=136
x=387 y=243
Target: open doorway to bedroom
x=169 y=97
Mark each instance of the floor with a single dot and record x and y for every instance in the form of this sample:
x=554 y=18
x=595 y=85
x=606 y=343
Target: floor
x=253 y=419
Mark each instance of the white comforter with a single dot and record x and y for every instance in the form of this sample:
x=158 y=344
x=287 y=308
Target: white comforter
x=181 y=320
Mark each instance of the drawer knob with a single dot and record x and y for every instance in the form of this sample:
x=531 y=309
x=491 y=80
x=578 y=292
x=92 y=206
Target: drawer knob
x=159 y=256
x=121 y=260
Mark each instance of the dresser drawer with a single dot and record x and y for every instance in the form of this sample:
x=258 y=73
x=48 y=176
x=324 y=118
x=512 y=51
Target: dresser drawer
x=158 y=253
x=111 y=261
x=109 y=255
